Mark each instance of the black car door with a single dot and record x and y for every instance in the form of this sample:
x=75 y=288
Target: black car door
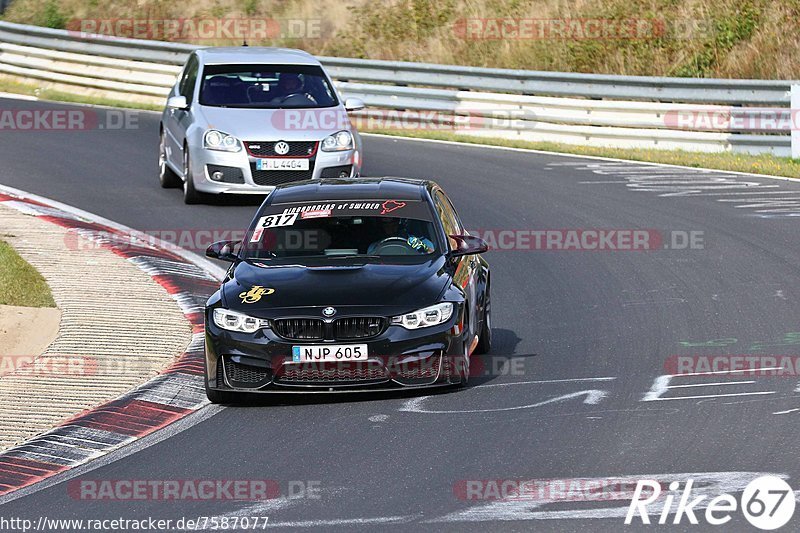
x=466 y=267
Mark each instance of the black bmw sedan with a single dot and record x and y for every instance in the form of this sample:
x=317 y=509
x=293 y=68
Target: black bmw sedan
x=344 y=285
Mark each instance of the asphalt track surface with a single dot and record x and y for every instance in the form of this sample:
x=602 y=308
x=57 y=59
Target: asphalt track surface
x=582 y=337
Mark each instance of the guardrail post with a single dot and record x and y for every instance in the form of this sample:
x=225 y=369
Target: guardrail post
x=793 y=114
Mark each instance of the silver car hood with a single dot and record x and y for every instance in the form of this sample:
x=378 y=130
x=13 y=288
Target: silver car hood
x=274 y=124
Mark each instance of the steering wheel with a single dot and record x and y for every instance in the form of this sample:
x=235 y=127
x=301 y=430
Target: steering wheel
x=293 y=95
x=394 y=246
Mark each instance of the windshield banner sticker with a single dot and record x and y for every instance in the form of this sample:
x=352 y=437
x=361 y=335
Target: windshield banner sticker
x=291 y=214
x=406 y=208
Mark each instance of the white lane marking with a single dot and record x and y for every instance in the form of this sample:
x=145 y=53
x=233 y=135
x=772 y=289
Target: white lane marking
x=593 y=397
x=542 y=381
x=601 y=182
x=378 y=418
x=712 y=396
x=729 y=371
x=692 y=183
x=748 y=193
x=719 y=383
x=661 y=385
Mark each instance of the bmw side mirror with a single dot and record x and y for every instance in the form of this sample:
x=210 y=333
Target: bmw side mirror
x=354 y=104
x=177 y=102
x=223 y=250
x=468 y=245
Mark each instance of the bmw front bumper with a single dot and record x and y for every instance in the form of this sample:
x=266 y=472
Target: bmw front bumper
x=397 y=359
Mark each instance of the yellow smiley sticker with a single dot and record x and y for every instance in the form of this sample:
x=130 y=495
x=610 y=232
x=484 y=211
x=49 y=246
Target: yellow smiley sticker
x=254 y=294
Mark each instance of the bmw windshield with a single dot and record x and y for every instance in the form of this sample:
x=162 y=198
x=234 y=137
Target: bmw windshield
x=335 y=229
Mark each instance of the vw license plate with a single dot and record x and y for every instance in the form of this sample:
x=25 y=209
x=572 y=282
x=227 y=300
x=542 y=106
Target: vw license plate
x=333 y=352
x=282 y=164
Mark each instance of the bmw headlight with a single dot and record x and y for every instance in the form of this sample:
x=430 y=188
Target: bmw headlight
x=219 y=140
x=428 y=316
x=233 y=321
x=337 y=142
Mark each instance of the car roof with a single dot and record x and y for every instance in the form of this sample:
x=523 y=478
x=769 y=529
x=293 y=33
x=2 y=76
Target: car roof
x=384 y=188
x=255 y=54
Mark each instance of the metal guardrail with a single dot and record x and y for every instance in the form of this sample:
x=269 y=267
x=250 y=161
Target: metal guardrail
x=623 y=111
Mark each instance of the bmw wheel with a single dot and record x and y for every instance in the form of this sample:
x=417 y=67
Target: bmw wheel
x=485 y=337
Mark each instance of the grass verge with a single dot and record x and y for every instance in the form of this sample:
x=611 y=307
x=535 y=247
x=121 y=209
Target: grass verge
x=30 y=89
x=756 y=164
x=20 y=283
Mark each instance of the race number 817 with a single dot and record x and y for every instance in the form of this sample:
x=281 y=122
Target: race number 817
x=274 y=221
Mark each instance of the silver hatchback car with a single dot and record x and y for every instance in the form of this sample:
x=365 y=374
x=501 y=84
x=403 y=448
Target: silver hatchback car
x=242 y=120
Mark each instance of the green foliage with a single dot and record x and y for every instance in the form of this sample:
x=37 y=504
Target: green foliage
x=52 y=17
x=250 y=7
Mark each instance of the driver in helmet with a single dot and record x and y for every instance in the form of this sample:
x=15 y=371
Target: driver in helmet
x=392 y=227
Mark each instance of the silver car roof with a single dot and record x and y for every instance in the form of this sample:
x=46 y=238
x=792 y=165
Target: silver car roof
x=255 y=54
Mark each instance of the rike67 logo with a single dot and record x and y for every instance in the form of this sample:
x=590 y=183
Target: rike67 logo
x=767 y=503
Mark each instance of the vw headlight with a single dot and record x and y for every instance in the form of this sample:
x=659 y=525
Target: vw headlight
x=219 y=140
x=428 y=316
x=337 y=142
x=233 y=321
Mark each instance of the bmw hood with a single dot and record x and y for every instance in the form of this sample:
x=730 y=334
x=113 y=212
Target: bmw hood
x=393 y=287
x=276 y=124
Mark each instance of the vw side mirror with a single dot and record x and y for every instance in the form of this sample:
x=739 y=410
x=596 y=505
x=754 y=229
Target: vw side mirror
x=177 y=102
